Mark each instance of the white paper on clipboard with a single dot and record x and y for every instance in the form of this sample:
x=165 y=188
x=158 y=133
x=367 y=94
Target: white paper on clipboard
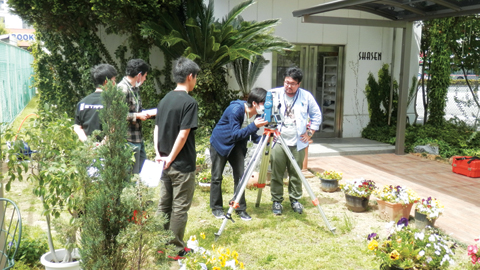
x=151 y=111
x=151 y=173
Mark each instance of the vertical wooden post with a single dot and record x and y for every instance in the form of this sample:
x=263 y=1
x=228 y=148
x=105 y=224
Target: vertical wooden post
x=403 y=88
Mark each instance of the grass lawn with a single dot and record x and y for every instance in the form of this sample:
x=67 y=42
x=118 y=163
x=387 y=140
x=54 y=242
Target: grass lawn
x=294 y=241
x=289 y=241
x=31 y=108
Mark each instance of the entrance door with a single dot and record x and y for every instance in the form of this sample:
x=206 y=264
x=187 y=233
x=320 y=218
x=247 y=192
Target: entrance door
x=323 y=76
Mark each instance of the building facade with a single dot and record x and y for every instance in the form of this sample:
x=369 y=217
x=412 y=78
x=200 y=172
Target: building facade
x=336 y=59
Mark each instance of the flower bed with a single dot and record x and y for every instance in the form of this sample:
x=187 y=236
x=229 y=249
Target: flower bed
x=411 y=248
x=474 y=254
x=217 y=258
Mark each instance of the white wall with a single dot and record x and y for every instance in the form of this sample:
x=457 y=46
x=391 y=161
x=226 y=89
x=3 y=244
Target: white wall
x=355 y=39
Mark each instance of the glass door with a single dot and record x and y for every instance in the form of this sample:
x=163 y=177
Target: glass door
x=322 y=76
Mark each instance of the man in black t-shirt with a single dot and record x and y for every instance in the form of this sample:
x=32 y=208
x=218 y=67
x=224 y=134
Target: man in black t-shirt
x=87 y=115
x=174 y=141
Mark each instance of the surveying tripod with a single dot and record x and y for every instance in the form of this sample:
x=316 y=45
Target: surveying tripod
x=262 y=153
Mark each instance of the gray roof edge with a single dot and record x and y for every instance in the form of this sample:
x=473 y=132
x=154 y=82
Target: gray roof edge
x=330 y=6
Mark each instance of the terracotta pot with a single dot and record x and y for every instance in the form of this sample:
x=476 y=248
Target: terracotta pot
x=329 y=185
x=421 y=221
x=393 y=211
x=356 y=204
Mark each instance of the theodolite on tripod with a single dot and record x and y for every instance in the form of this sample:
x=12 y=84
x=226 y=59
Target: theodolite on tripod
x=262 y=154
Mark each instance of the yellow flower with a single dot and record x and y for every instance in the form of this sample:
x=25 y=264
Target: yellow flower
x=234 y=254
x=228 y=252
x=216 y=268
x=373 y=245
x=193 y=238
x=223 y=262
x=213 y=247
x=202 y=235
x=242 y=266
x=394 y=255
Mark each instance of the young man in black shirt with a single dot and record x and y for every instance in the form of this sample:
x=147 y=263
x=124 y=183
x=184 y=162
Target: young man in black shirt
x=174 y=141
x=87 y=114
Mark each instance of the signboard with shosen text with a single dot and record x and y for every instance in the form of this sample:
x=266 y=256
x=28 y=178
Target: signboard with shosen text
x=375 y=56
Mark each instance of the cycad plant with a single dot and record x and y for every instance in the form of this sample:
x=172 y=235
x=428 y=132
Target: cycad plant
x=247 y=72
x=195 y=33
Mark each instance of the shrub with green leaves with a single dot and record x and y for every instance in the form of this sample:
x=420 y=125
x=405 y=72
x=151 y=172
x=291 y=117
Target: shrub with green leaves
x=33 y=246
x=453 y=138
x=105 y=215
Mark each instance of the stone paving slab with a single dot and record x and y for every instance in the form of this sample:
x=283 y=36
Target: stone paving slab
x=458 y=193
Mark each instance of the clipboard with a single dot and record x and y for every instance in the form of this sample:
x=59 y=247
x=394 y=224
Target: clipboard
x=151 y=173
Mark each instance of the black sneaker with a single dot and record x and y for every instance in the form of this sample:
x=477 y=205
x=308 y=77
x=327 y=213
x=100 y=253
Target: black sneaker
x=243 y=215
x=297 y=207
x=277 y=208
x=218 y=213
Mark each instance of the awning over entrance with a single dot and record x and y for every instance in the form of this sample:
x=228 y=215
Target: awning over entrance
x=400 y=10
x=397 y=14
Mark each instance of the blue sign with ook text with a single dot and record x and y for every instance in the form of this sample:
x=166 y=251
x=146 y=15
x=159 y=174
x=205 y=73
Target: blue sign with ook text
x=24 y=37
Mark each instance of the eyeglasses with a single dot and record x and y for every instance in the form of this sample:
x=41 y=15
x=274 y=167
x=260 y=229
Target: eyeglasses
x=293 y=84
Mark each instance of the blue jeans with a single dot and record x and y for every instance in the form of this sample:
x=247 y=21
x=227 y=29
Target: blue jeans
x=140 y=156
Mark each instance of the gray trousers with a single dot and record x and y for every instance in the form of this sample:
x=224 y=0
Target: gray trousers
x=176 y=194
x=280 y=162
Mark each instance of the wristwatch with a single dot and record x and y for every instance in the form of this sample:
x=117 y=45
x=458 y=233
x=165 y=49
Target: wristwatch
x=309 y=133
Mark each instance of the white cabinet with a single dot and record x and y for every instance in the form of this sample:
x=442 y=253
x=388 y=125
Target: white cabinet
x=329 y=92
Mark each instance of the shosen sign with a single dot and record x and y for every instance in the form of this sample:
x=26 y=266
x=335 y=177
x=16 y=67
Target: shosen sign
x=375 y=56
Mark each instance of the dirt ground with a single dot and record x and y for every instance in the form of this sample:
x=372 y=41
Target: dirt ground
x=30 y=206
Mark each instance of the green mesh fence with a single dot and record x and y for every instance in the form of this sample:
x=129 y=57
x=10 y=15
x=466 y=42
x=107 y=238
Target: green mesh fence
x=16 y=81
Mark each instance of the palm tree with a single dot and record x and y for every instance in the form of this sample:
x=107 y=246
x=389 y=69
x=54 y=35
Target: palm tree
x=193 y=32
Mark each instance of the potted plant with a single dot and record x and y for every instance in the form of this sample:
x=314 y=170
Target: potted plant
x=427 y=211
x=53 y=174
x=404 y=247
x=204 y=178
x=329 y=180
x=395 y=202
x=357 y=193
